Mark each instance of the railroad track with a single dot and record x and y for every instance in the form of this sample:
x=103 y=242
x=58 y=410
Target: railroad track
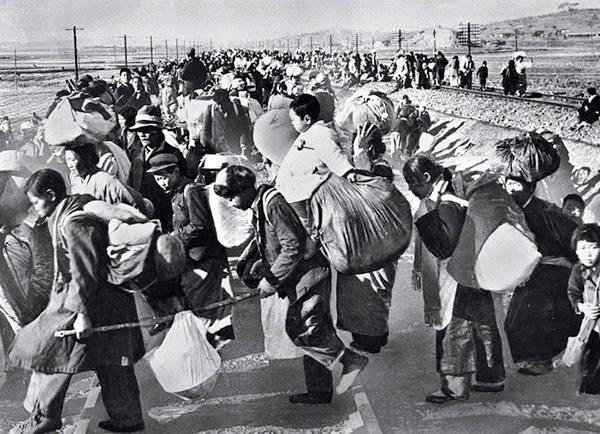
x=536 y=97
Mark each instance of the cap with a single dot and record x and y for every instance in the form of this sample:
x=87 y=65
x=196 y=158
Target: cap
x=191 y=51
x=147 y=116
x=162 y=161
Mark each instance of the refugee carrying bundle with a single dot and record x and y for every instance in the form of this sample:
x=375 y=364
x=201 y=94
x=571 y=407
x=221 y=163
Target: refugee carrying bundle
x=232 y=225
x=363 y=224
x=367 y=106
x=78 y=118
x=495 y=250
x=528 y=157
x=185 y=364
x=274 y=135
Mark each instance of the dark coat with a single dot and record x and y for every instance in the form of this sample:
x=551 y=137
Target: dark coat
x=540 y=317
x=80 y=286
x=144 y=182
x=590 y=110
x=281 y=240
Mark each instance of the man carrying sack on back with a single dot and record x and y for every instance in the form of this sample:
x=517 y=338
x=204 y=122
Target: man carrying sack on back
x=283 y=269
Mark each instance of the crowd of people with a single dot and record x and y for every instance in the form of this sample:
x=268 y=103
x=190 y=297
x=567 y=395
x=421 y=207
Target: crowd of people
x=170 y=116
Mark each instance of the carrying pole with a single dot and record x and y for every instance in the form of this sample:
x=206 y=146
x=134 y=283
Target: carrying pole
x=150 y=321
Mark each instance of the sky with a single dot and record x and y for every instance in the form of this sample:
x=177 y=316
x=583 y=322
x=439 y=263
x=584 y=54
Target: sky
x=105 y=21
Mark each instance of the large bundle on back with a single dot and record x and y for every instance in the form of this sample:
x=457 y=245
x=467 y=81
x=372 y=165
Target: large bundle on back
x=528 y=157
x=274 y=135
x=367 y=106
x=362 y=225
x=495 y=251
x=78 y=118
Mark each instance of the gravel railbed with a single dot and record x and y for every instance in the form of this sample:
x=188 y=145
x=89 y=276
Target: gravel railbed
x=521 y=115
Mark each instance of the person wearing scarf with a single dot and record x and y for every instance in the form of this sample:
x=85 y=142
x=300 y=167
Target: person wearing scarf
x=467 y=338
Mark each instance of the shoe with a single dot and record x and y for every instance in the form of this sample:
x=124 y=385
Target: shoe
x=484 y=389
x=108 y=425
x=353 y=364
x=439 y=397
x=311 y=398
x=541 y=368
x=36 y=424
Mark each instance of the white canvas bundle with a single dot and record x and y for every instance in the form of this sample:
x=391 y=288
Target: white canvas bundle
x=278 y=345
x=506 y=259
x=185 y=364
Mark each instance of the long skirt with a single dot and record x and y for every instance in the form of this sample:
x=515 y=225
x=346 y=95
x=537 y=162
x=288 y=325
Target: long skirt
x=540 y=317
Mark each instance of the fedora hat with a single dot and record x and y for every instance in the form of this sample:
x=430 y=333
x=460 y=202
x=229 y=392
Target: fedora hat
x=147 y=117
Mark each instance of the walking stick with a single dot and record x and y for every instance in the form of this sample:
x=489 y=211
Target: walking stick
x=151 y=321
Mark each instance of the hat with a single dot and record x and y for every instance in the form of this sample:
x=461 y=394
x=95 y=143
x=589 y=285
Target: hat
x=162 y=161
x=147 y=116
x=191 y=51
x=169 y=258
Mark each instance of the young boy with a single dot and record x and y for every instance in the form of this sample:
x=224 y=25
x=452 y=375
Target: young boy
x=583 y=294
x=573 y=206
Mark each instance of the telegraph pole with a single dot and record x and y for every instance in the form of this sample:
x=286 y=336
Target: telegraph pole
x=434 y=42
x=177 y=49
x=516 y=39
x=125 y=45
x=74 y=30
x=311 y=45
x=400 y=39
x=288 y=45
x=166 y=50
x=469 y=38
x=298 y=44
x=330 y=44
x=151 y=51
x=357 y=43
x=16 y=77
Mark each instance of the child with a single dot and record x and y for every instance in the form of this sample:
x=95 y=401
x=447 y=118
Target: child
x=482 y=73
x=573 y=206
x=583 y=294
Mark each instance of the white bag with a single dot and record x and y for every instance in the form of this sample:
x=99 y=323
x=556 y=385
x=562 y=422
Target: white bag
x=79 y=119
x=233 y=226
x=278 y=344
x=506 y=259
x=185 y=364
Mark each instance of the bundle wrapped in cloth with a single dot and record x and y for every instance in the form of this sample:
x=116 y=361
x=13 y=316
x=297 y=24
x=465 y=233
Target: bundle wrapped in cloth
x=528 y=157
x=495 y=251
x=136 y=244
x=362 y=225
x=367 y=106
x=274 y=135
x=77 y=118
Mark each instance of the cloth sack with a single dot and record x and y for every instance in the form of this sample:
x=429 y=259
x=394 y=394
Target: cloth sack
x=495 y=250
x=529 y=157
x=233 y=226
x=278 y=345
x=274 y=135
x=185 y=364
x=367 y=106
x=576 y=344
x=78 y=118
x=362 y=225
